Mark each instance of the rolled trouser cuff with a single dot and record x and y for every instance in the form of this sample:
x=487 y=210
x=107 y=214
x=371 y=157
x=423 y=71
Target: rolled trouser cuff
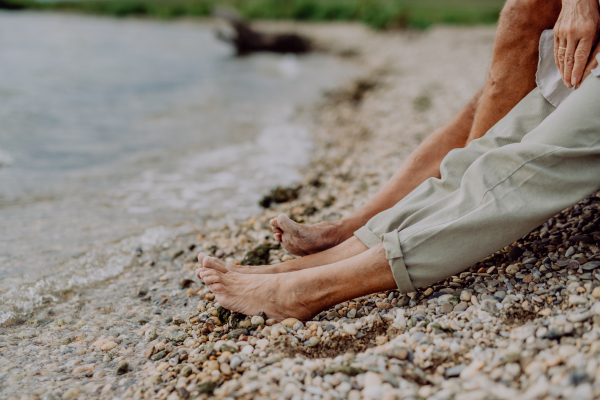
x=368 y=238
x=393 y=252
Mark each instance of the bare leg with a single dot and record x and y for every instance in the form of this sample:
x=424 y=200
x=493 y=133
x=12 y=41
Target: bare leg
x=299 y=294
x=423 y=163
x=347 y=249
x=511 y=77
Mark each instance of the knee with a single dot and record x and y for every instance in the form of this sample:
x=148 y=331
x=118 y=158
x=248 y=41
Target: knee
x=519 y=28
x=524 y=16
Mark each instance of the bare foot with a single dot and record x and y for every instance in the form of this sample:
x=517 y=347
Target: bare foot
x=242 y=269
x=301 y=239
x=345 y=250
x=252 y=293
x=299 y=294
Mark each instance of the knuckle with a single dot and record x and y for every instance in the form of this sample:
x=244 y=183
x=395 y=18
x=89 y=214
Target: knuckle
x=580 y=56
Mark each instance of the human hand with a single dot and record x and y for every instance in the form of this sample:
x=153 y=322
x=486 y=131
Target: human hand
x=574 y=35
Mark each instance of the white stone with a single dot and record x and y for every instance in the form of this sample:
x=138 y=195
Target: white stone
x=247 y=350
x=567 y=351
x=298 y=326
x=472 y=369
x=290 y=390
x=262 y=344
x=579 y=317
x=344 y=387
x=218 y=345
x=373 y=392
x=372 y=379
x=173 y=396
x=537 y=390
x=583 y=392
x=257 y=320
x=400 y=321
x=354 y=395
x=576 y=300
x=465 y=295
x=72 y=393
x=541 y=331
x=350 y=329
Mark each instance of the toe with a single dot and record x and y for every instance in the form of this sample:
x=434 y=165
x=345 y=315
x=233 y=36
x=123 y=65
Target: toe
x=217 y=288
x=274 y=227
x=203 y=273
x=212 y=279
x=287 y=225
x=215 y=263
x=201 y=256
x=278 y=237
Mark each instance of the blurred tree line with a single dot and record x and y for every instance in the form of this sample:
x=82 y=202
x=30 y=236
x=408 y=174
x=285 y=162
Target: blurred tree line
x=379 y=14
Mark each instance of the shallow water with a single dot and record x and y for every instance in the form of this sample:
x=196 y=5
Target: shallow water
x=119 y=134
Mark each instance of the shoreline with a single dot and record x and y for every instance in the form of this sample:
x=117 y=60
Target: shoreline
x=517 y=322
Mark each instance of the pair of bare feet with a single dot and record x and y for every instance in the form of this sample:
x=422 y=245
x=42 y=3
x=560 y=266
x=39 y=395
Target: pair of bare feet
x=302 y=287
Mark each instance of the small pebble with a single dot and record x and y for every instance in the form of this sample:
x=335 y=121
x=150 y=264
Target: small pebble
x=446 y=308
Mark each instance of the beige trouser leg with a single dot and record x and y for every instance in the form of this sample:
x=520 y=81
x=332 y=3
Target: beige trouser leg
x=534 y=163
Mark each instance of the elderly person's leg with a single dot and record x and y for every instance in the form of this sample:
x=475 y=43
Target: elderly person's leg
x=504 y=193
x=424 y=162
x=527 y=115
x=511 y=77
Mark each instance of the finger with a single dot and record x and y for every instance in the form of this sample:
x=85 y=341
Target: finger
x=561 y=56
x=556 y=46
x=278 y=237
x=569 y=61
x=582 y=54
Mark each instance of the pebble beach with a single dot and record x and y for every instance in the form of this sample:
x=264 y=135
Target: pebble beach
x=524 y=323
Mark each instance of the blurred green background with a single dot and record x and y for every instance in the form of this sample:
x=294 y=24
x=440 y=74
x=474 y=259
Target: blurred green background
x=379 y=14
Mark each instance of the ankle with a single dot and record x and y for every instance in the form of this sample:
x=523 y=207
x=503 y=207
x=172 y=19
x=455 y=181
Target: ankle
x=347 y=226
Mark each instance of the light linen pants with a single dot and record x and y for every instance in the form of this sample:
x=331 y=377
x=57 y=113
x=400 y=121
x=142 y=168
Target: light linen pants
x=534 y=163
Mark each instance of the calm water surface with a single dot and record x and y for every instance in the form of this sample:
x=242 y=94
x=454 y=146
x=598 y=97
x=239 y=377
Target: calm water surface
x=116 y=134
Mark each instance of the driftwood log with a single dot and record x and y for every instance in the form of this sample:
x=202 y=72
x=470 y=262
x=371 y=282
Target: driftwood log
x=247 y=40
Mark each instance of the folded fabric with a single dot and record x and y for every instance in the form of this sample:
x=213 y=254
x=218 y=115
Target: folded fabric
x=548 y=77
